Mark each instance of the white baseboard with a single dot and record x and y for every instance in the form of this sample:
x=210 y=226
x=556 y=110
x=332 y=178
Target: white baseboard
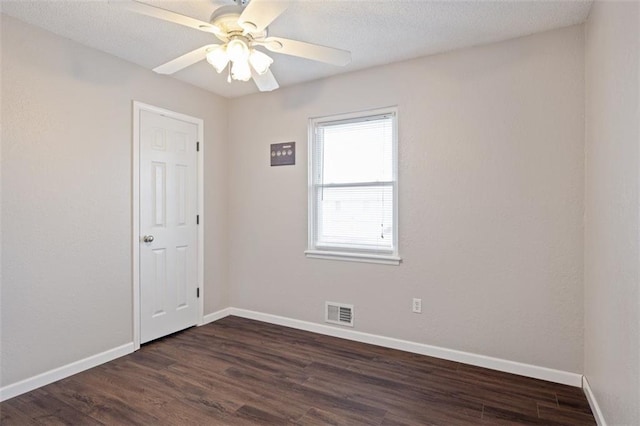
x=59 y=373
x=528 y=370
x=591 y=398
x=215 y=316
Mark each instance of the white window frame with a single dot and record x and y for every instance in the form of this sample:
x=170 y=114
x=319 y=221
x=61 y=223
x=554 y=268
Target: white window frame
x=390 y=257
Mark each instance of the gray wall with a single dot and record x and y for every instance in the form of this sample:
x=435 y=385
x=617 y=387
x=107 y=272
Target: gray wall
x=66 y=196
x=491 y=144
x=612 y=254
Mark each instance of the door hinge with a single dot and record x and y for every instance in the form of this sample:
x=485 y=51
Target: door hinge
x=197 y=219
x=198 y=292
x=198 y=146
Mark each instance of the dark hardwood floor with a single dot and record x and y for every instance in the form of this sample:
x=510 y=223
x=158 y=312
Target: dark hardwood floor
x=237 y=372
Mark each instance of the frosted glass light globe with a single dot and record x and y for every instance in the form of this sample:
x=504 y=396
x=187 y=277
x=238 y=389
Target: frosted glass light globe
x=259 y=61
x=240 y=71
x=237 y=50
x=218 y=57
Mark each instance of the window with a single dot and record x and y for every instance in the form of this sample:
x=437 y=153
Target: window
x=353 y=187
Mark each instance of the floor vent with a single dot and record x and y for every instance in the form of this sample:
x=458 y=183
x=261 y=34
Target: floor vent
x=339 y=313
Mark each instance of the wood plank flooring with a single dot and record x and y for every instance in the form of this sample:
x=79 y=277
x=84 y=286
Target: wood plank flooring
x=240 y=372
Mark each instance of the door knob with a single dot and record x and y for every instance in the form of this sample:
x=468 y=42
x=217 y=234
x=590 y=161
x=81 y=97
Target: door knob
x=147 y=238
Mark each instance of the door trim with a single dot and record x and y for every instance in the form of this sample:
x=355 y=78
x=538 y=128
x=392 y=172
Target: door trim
x=138 y=107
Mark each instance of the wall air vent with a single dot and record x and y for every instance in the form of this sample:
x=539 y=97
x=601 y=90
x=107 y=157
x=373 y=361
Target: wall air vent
x=339 y=313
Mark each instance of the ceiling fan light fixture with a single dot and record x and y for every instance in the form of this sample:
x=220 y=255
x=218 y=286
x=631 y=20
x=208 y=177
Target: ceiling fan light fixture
x=237 y=50
x=218 y=58
x=240 y=71
x=259 y=61
x=240 y=27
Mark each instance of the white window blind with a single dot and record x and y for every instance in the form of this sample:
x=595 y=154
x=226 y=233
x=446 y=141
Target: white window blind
x=353 y=185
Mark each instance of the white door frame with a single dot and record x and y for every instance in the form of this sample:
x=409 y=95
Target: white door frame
x=138 y=107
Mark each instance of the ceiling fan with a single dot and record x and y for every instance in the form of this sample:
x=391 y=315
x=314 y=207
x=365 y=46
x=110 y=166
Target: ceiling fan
x=241 y=28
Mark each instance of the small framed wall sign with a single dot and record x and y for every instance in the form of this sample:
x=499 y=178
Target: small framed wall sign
x=283 y=154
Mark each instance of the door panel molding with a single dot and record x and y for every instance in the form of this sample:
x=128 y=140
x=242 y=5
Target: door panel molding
x=138 y=107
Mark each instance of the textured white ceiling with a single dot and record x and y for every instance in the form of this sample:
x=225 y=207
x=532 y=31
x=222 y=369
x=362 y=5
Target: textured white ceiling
x=376 y=32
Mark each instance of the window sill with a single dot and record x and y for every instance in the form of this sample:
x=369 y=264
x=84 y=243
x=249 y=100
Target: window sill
x=354 y=257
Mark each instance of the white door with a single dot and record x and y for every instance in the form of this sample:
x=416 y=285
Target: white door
x=168 y=228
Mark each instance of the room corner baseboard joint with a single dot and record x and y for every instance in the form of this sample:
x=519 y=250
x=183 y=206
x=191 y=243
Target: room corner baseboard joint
x=593 y=403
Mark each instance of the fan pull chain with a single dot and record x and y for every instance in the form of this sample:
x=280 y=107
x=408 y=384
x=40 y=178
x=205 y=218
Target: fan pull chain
x=229 y=74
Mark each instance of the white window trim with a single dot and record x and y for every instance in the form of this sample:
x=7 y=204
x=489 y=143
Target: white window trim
x=386 y=258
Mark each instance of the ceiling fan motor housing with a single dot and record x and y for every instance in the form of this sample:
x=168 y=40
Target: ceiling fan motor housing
x=226 y=18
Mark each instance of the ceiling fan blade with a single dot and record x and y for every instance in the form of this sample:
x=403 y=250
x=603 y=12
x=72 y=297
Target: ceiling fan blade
x=266 y=82
x=260 y=13
x=167 y=15
x=184 y=60
x=315 y=52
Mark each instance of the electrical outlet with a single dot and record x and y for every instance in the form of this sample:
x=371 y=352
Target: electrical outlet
x=417 y=306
